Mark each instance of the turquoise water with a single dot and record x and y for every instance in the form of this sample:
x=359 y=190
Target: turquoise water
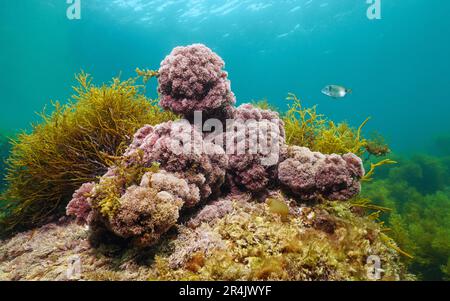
x=398 y=67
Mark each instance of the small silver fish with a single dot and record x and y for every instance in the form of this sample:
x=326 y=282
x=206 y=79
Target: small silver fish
x=336 y=91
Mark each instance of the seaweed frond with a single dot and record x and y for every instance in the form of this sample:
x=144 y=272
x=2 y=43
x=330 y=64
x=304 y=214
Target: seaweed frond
x=305 y=127
x=264 y=105
x=391 y=243
x=373 y=166
x=5 y=147
x=72 y=145
x=366 y=203
x=109 y=190
x=301 y=124
x=147 y=74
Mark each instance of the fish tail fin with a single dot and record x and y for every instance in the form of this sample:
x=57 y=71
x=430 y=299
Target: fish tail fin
x=349 y=91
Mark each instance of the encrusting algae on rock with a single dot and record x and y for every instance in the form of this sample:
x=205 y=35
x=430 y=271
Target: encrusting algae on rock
x=245 y=242
x=253 y=243
x=178 y=205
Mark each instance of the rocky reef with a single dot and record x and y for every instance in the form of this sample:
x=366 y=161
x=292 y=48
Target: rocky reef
x=240 y=202
x=226 y=240
x=190 y=169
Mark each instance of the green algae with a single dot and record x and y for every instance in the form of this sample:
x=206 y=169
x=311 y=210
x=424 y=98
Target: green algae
x=306 y=127
x=4 y=151
x=278 y=206
x=418 y=193
x=325 y=243
x=108 y=192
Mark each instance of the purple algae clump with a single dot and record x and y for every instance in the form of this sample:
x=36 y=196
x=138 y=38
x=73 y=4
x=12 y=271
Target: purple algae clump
x=180 y=148
x=146 y=213
x=137 y=201
x=79 y=206
x=211 y=212
x=256 y=143
x=191 y=79
x=311 y=175
x=189 y=171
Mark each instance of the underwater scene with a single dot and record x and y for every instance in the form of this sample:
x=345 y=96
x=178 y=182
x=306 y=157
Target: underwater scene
x=199 y=140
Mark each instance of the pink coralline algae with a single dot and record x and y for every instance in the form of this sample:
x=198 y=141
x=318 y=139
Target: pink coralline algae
x=145 y=211
x=180 y=149
x=79 y=205
x=202 y=240
x=191 y=79
x=145 y=214
x=211 y=212
x=254 y=147
x=312 y=175
x=176 y=165
x=248 y=112
x=188 y=171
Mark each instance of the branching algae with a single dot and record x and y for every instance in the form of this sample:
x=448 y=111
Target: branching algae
x=74 y=144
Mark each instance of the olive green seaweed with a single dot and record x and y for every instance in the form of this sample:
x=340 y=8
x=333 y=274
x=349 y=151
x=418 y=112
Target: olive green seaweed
x=4 y=151
x=418 y=192
x=74 y=144
x=262 y=245
x=306 y=127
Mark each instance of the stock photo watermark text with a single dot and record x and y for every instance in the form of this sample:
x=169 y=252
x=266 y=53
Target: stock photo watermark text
x=374 y=9
x=73 y=11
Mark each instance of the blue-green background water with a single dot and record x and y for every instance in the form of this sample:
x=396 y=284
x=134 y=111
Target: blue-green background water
x=398 y=67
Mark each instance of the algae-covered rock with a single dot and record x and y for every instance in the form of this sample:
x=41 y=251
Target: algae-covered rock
x=245 y=242
x=254 y=243
x=74 y=144
x=177 y=204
